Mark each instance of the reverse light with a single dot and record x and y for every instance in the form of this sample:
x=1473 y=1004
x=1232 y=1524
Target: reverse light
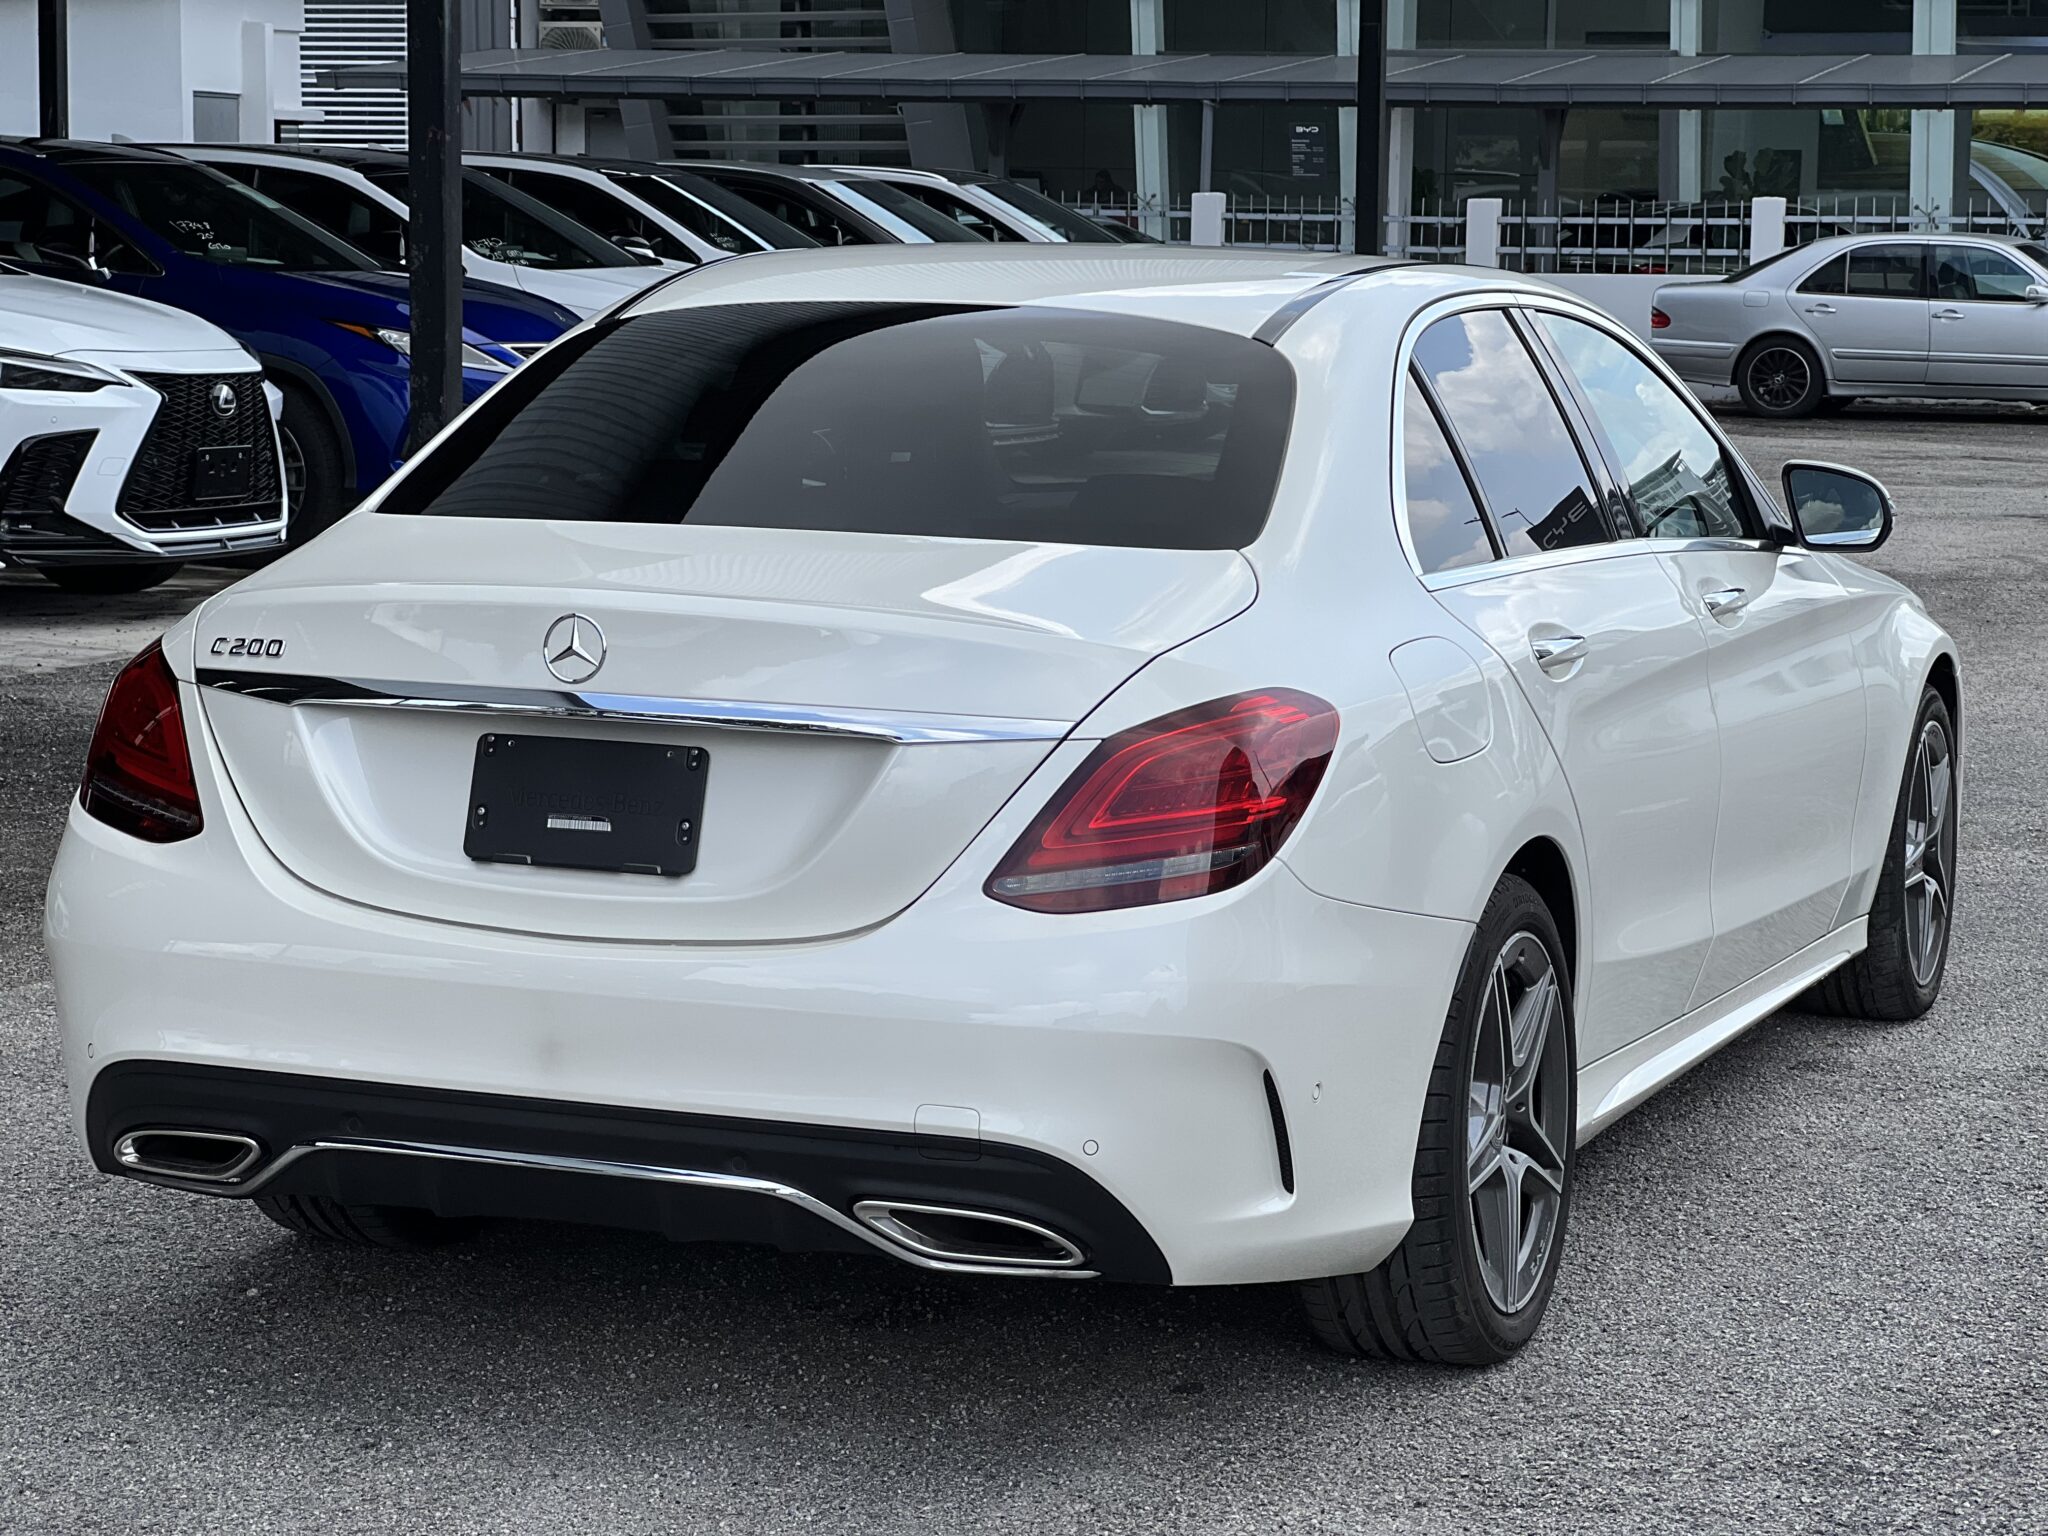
x=1192 y=803
x=1659 y=321
x=138 y=770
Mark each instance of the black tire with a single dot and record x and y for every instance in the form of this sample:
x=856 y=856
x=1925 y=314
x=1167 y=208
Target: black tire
x=315 y=486
x=1780 y=378
x=1431 y=1300
x=112 y=580
x=366 y=1226
x=1888 y=981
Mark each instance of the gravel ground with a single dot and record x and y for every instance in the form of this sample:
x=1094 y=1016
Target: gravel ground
x=1803 y=1291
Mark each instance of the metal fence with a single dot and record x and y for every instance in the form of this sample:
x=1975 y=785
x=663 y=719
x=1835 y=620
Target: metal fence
x=1609 y=235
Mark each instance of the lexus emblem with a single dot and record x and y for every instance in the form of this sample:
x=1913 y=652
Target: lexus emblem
x=223 y=398
x=574 y=648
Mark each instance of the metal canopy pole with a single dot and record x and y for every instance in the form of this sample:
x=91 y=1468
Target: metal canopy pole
x=1369 y=192
x=433 y=106
x=53 y=68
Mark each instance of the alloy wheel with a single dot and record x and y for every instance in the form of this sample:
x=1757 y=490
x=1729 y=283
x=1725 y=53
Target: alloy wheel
x=1780 y=377
x=1929 y=850
x=1516 y=1130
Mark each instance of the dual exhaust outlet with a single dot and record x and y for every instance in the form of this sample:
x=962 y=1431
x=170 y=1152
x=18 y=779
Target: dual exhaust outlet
x=934 y=1236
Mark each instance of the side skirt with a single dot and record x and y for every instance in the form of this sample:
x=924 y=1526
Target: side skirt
x=1615 y=1084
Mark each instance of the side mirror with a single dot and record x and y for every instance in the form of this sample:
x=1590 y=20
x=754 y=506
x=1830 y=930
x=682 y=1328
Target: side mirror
x=2037 y=293
x=639 y=248
x=1837 y=508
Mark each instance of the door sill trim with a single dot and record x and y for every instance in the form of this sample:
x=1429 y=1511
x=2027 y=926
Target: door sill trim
x=1622 y=1079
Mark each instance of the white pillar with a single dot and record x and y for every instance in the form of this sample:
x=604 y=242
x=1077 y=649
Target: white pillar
x=1937 y=152
x=1688 y=38
x=257 y=122
x=1766 y=228
x=1148 y=125
x=1482 y=231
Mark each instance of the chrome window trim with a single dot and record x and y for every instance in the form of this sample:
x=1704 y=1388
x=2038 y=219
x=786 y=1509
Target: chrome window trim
x=899 y=729
x=1506 y=298
x=1614 y=549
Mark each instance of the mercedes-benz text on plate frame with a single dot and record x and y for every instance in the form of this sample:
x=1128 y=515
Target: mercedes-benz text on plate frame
x=574 y=648
x=997 y=844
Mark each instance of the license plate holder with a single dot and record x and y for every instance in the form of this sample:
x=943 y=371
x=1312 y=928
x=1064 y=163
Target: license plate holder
x=565 y=802
x=222 y=474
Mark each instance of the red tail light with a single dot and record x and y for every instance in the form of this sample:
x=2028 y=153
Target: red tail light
x=138 y=771
x=1192 y=803
x=1659 y=321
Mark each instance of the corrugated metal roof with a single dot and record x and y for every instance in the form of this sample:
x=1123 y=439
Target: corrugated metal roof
x=1516 y=78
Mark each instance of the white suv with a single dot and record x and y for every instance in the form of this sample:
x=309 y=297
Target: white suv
x=133 y=437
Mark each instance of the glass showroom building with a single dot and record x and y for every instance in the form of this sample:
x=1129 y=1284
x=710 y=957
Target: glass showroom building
x=1919 y=103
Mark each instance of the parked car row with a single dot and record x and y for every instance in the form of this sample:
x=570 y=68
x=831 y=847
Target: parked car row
x=217 y=266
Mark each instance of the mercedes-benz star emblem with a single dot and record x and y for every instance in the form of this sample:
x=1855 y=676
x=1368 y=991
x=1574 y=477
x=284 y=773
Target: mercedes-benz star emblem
x=223 y=397
x=574 y=648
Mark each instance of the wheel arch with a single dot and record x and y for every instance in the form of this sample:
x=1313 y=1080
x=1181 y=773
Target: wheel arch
x=1543 y=863
x=288 y=375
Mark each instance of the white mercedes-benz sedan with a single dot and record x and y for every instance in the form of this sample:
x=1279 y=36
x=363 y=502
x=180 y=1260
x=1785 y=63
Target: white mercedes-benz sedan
x=1189 y=767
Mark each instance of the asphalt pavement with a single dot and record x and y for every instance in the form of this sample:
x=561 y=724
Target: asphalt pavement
x=1804 y=1289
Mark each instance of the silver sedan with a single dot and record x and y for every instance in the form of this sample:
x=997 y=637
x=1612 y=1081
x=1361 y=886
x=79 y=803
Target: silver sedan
x=1960 y=316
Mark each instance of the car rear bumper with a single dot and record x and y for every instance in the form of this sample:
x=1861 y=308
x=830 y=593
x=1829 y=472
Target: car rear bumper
x=1126 y=1056
x=1698 y=362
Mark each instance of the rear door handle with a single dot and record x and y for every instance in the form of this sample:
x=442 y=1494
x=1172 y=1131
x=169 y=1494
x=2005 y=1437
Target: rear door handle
x=1727 y=602
x=1822 y=309
x=1558 y=655
x=1948 y=314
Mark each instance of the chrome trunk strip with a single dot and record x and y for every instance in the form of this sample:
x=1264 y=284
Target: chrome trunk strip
x=573 y=704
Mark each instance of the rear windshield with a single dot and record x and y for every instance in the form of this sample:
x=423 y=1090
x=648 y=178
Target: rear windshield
x=1032 y=424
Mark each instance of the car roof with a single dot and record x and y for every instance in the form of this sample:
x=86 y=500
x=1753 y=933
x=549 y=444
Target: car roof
x=77 y=151
x=1250 y=292
x=764 y=168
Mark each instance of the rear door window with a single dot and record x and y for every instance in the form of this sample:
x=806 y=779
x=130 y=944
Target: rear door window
x=1887 y=272
x=1446 y=529
x=1830 y=277
x=1028 y=423
x=1522 y=453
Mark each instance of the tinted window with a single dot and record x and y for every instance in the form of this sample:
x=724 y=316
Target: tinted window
x=1681 y=483
x=507 y=225
x=804 y=210
x=959 y=210
x=1029 y=424
x=1057 y=217
x=1971 y=272
x=596 y=209
x=1445 y=525
x=1513 y=434
x=716 y=229
x=1886 y=272
x=337 y=208
x=41 y=230
x=207 y=216
x=900 y=205
x=1831 y=277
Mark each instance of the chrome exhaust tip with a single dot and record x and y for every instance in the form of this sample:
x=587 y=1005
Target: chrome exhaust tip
x=197 y=1157
x=976 y=1239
